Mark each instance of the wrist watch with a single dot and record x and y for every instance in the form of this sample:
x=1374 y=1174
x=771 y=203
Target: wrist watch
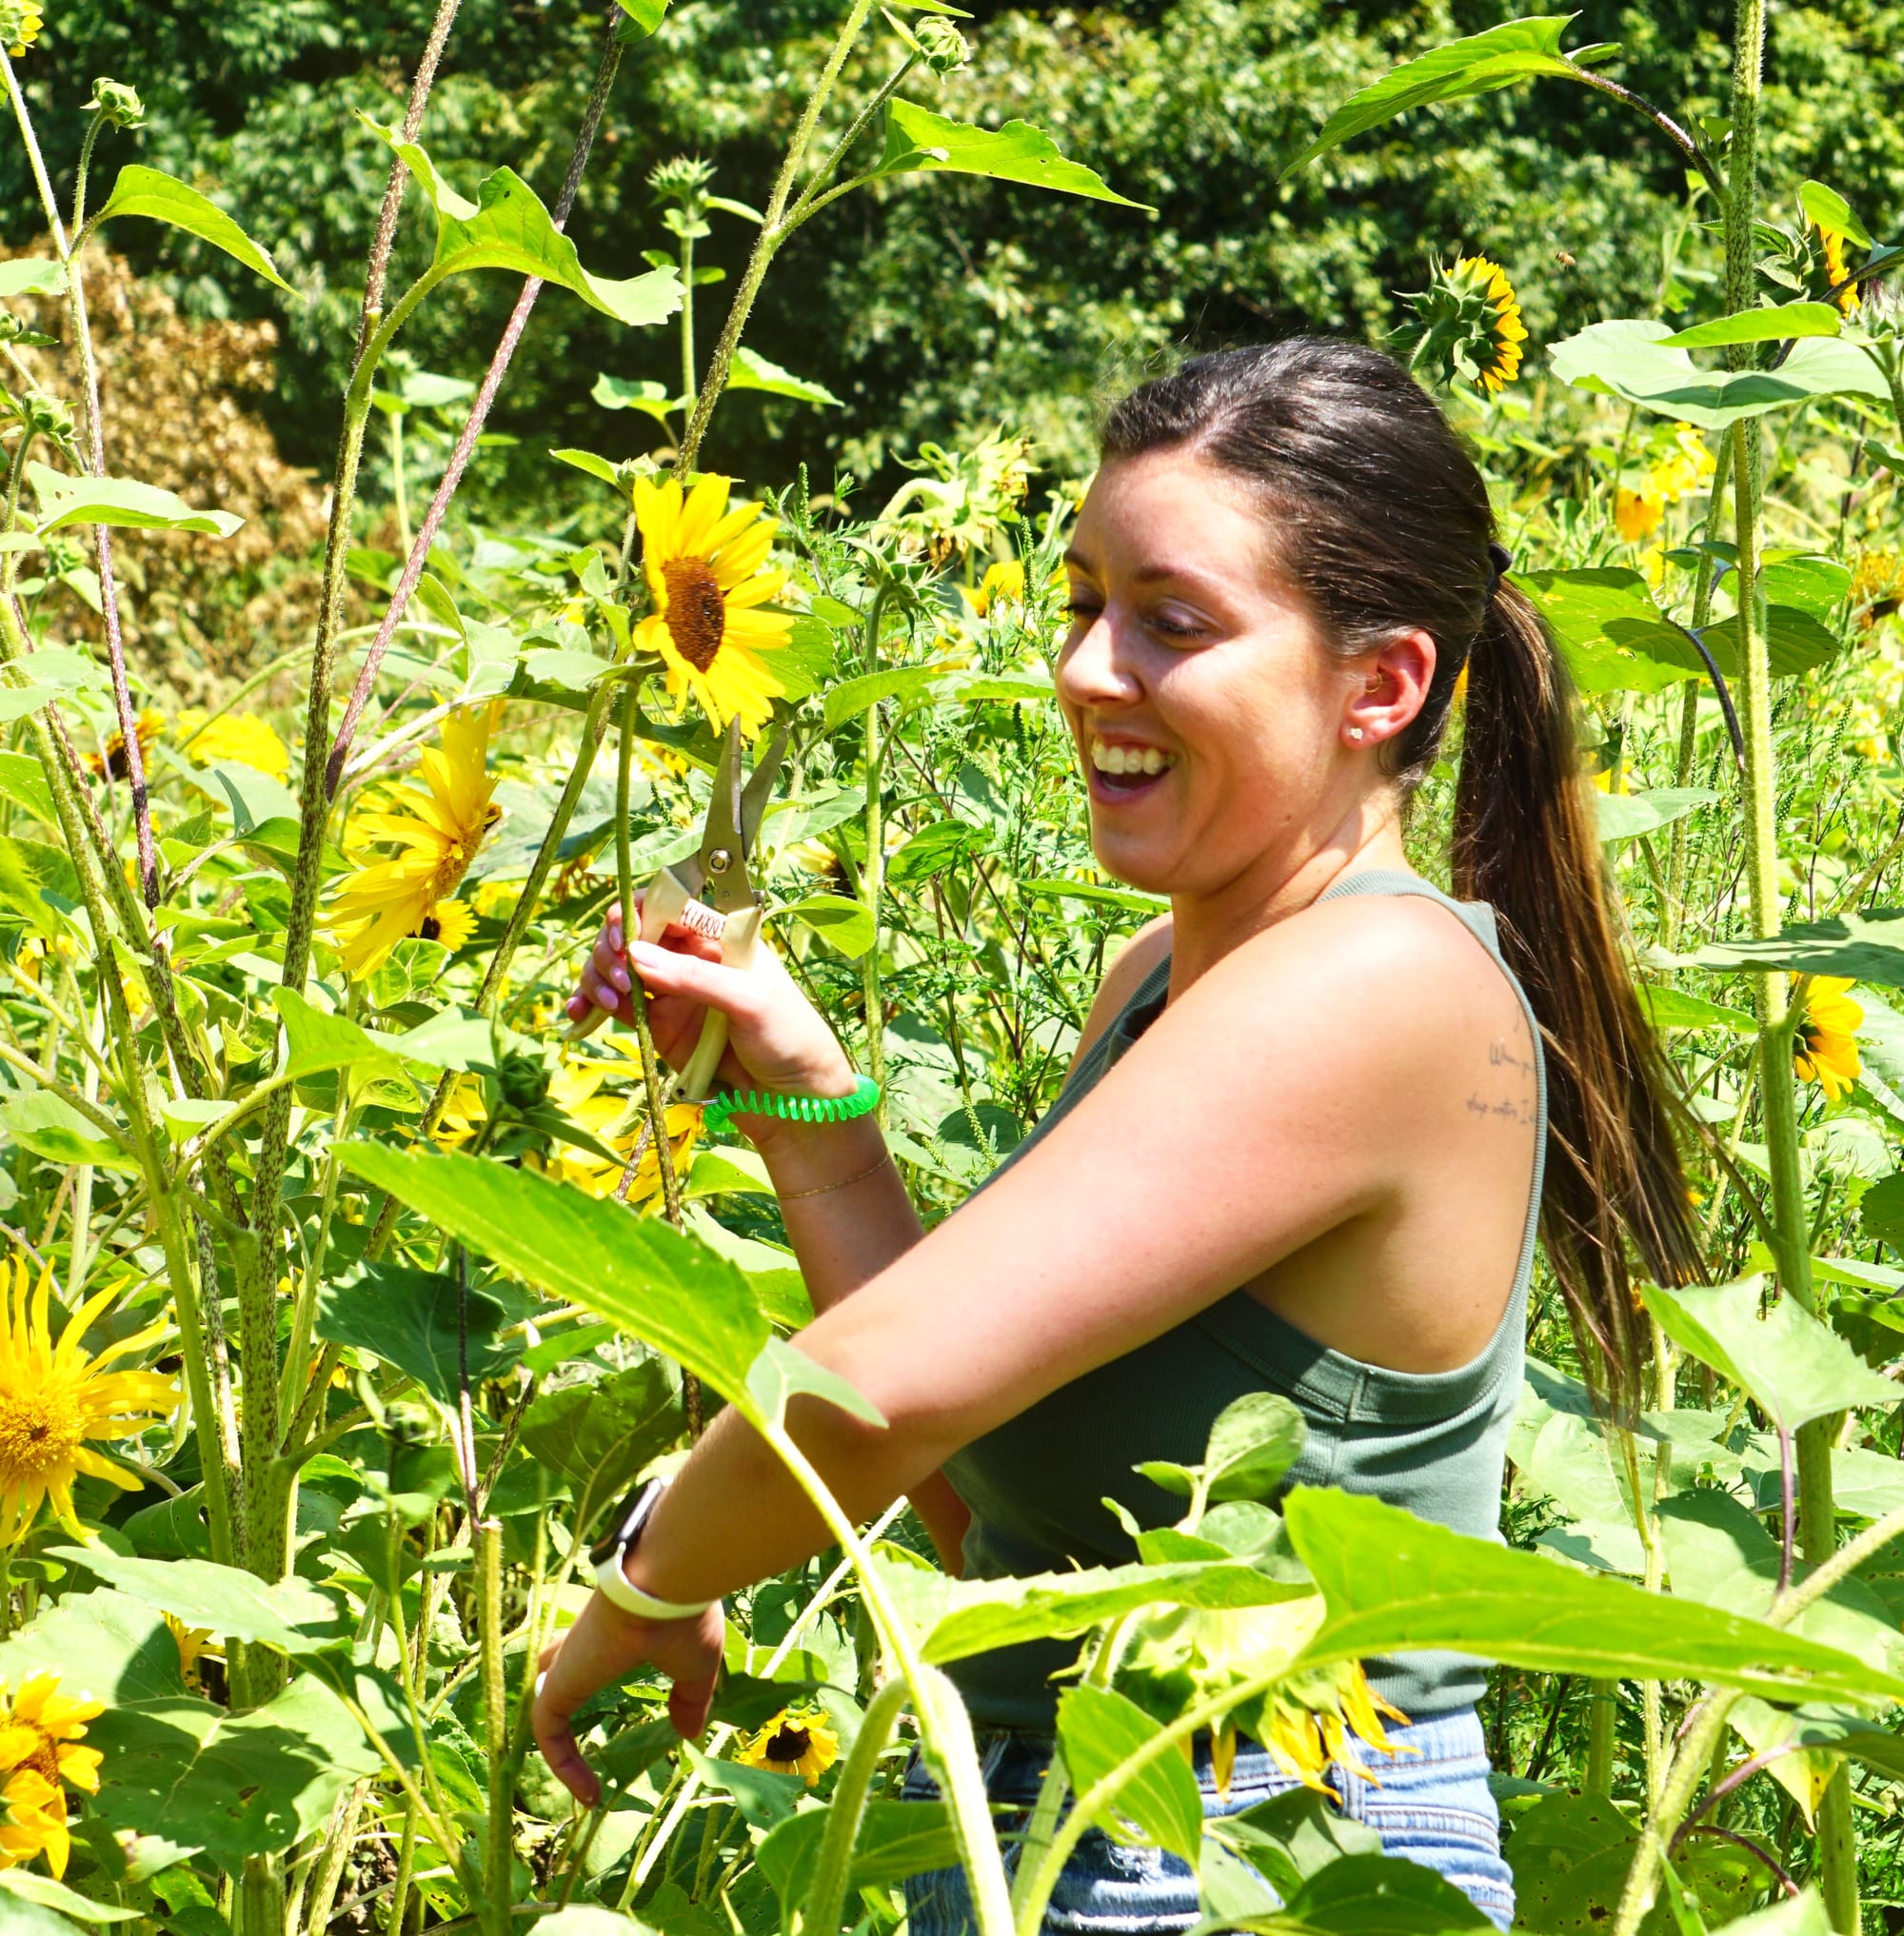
x=610 y=1552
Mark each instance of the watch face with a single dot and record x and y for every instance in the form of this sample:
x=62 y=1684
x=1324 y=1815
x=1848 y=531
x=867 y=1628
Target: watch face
x=625 y=1525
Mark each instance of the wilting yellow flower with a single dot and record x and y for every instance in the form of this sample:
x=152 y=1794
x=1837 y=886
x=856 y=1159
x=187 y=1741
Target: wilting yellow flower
x=1308 y=1723
x=462 y=1113
x=438 y=833
x=54 y=1398
x=1876 y=585
x=38 y=1733
x=707 y=571
x=1824 y=1049
x=494 y=898
x=796 y=1740
x=193 y=1643
x=239 y=737
x=20 y=25
x=111 y=764
x=1849 y=299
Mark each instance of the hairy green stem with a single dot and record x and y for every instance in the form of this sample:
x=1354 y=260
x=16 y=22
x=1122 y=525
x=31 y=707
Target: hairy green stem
x=499 y=1842
x=827 y=1895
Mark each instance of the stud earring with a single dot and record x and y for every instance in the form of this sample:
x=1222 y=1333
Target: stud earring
x=1355 y=732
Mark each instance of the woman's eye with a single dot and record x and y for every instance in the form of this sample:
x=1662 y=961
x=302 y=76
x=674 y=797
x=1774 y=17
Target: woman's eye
x=1081 y=608
x=1174 y=626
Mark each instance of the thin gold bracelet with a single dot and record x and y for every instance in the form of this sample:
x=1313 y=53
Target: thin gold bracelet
x=857 y=1177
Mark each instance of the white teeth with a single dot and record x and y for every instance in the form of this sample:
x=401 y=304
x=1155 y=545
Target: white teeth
x=1148 y=760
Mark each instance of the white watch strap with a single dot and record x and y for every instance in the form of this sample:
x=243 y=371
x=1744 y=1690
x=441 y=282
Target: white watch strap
x=617 y=1588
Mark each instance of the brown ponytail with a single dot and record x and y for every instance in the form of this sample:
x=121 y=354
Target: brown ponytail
x=1382 y=522
x=1524 y=841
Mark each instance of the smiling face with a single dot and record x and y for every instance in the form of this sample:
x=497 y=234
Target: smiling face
x=1225 y=745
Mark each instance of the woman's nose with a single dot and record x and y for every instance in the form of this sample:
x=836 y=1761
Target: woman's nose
x=1094 y=669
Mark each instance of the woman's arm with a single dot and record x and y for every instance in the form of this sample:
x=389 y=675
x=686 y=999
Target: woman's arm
x=1294 y=1059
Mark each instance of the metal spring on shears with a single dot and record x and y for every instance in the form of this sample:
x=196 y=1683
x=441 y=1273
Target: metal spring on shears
x=703 y=919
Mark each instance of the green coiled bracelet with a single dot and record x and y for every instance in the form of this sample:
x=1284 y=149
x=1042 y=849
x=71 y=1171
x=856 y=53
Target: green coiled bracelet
x=864 y=1101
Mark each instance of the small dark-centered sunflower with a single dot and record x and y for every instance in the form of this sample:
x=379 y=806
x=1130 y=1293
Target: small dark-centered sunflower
x=707 y=572
x=1825 y=1048
x=111 y=764
x=39 y=1731
x=796 y=1740
x=1472 y=325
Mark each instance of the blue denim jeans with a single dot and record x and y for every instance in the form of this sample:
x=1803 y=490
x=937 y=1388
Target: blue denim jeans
x=1432 y=1806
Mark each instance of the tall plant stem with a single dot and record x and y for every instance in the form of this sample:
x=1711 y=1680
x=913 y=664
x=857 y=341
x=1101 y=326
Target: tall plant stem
x=826 y=1896
x=498 y=1890
x=464 y=447
x=95 y=463
x=1818 y=1516
x=773 y=232
x=872 y=874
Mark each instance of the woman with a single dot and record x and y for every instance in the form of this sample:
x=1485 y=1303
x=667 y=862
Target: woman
x=1317 y=1110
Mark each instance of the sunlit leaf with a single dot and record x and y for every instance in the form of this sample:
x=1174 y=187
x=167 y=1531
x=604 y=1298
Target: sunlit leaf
x=918 y=139
x=783 y=1371
x=286 y=1614
x=1625 y=815
x=897 y=1839
x=1795 y=1368
x=752 y=371
x=118 y=501
x=1829 y=210
x=840 y=923
x=1864 y=947
x=1670 y=1008
x=1771 y=325
x=1098 y=1733
x=31 y=275
x=1630 y=358
x=599 y=1436
x=1515 y=50
x=664 y=1287
x=33 y=1890
x=616 y=393
x=508 y=227
x=165 y=198
x=1394 y=1583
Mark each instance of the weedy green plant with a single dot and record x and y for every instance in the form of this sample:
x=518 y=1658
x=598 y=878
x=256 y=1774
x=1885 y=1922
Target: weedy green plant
x=346 y=1296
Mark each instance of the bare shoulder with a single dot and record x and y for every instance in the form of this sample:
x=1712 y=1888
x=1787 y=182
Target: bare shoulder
x=1135 y=959
x=1379 y=987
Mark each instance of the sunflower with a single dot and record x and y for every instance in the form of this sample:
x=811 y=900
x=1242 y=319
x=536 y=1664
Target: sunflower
x=796 y=1740
x=242 y=738
x=38 y=1733
x=1471 y=324
x=707 y=571
x=1847 y=299
x=54 y=1398
x=20 y=25
x=450 y=921
x=1826 y=1048
x=438 y=832
x=1638 y=513
x=112 y=763
x=576 y=1091
x=1002 y=585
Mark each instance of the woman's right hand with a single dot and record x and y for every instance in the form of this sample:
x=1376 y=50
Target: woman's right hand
x=776 y=1038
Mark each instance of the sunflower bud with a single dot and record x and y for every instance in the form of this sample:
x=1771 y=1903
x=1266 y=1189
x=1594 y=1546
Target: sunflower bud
x=13 y=331
x=523 y=1080
x=118 y=101
x=944 y=48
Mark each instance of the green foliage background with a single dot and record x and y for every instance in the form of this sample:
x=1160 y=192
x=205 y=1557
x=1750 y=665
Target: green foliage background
x=934 y=313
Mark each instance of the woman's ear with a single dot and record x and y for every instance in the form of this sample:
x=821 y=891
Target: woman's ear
x=1389 y=688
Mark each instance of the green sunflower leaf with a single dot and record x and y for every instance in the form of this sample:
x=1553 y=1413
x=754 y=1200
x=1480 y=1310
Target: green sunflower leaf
x=1829 y=210
x=1633 y=359
x=1515 y=50
x=919 y=141
x=752 y=371
x=508 y=227
x=1774 y=324
x=121 y=502
x=159 y=197
x=1100 y=1733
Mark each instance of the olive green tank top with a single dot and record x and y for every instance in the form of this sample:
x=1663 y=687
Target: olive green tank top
x=1432 y=1442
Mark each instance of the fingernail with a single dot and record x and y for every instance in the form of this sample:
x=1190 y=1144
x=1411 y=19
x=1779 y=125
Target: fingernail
x=618 y=976
x=645 y=954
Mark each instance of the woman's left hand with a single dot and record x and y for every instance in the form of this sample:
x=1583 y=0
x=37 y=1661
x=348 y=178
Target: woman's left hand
x=605 y=1645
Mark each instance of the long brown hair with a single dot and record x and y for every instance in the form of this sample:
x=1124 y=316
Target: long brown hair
x=1380 y=520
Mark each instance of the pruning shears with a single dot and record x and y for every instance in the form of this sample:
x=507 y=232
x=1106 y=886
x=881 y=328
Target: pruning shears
x=712 y=893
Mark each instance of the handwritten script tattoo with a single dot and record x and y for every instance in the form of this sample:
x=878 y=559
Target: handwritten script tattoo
x=1514 y=1101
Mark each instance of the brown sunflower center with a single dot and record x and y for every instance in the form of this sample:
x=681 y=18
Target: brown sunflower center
x=1812 y=1036
x=39 y=1433
x=44 y=1759
x=697 y=614
x=788 y=1743
x=430 y=929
